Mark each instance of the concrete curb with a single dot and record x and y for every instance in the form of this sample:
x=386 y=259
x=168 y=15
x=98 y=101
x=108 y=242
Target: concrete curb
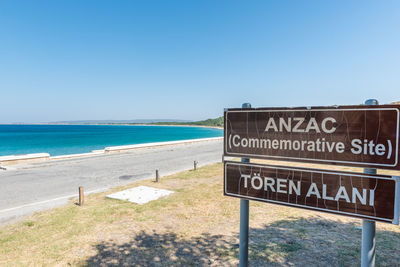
x=129 y=147
x=26 y=158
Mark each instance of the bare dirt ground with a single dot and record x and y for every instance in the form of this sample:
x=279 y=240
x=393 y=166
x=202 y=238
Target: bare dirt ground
x=195 y=226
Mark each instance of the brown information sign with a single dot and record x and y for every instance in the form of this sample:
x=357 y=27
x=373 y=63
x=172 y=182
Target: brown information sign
x=363 y=136
x=371 y=197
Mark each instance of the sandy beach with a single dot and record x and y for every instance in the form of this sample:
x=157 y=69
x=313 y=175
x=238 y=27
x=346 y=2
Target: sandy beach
x=37 y=186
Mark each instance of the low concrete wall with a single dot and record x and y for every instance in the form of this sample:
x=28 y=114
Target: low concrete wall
x=72 y=156
x=117 y=149
x=27 y=158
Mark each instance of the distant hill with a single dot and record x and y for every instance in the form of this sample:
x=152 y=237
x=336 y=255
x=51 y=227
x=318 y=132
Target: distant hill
x=218 y=122
x=139 y=121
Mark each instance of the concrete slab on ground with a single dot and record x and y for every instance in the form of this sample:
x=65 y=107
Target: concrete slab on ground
x=140 y=194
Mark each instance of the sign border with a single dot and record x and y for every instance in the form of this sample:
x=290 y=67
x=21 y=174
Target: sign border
x=321 y=161
x=347 y=214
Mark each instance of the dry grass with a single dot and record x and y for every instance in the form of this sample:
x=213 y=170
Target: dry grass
x=195 y=226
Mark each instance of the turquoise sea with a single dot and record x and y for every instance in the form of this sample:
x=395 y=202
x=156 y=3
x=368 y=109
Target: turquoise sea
x=73 y=139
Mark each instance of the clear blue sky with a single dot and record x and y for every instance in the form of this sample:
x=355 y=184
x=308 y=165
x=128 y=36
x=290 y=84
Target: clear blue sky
x=73 y=60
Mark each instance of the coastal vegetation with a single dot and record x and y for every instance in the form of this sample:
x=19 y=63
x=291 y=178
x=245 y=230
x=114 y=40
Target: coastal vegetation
x=197 y=225
x=217 y=122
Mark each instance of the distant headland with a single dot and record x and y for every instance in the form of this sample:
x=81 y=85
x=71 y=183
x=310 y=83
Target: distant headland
x=213 y=123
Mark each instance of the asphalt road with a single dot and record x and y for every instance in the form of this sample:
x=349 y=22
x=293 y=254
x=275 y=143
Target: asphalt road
x=44 y=185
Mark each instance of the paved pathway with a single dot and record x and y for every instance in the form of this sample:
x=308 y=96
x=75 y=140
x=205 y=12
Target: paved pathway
x=40 y=186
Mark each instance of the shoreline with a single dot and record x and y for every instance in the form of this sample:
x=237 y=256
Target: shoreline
x=166 y=125
x=6 y=161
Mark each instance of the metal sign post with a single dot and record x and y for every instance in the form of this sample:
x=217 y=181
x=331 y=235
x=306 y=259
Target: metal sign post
x=368 y=227
x=359 y=136
x=244 y=222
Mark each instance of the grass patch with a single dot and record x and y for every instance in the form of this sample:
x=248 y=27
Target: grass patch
x=290 y=247
x=28 y=223
x=196 y=225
